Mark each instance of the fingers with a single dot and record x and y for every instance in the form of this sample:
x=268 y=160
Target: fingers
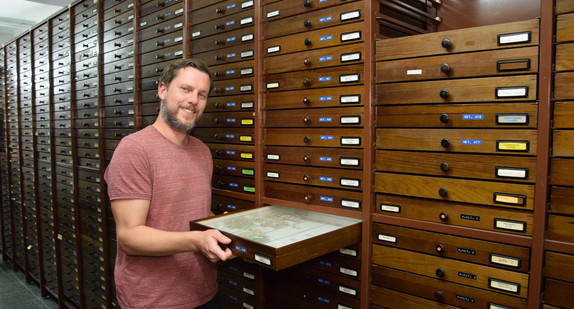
x=213 y=251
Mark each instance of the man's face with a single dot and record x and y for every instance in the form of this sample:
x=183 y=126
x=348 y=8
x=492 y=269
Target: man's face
x=185 y=99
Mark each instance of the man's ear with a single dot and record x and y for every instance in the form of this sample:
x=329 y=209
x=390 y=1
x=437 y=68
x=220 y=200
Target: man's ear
x=161 y=89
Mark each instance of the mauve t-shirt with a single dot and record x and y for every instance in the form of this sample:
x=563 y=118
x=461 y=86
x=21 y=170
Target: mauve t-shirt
x=177 y=181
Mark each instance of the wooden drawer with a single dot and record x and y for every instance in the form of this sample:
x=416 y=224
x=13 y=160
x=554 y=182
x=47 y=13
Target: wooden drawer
x=244 y=286
x=233 y=54
x=162 y=55
x=234 y=168
x=337 y=264
x=328 y=37
x=561 y=171
x=469 y=274
x=168 y=13
x=563 y=143
x=479 y=115
x=220 y=204
x=227 y=119
x=487 y=89
x=563 y=60
x=160 y=42
x=432 y=289
x=454 y=247
x=225 y=135
x=558 y=293
x=233 y=70
x=223 y=40
x=232 y=151
x=234 y=86
x=233 y=183
x=223 y=24
x=124 y=19
x=510 y=195
x=561 y=200
x=318 y=78
x=338 y=96
x=154 y=6
x=169 y=26
x=517 y=142
x=484 y=63
x=500 y=36
x=564 y=26
x=230 y=104
x=564 y=6
x=559 y=266
x=488 y=167
x=201 y=13
x=383 y=298
x=563 y=86
x=314 y=176
x=335 y=283
x=348 y=138
x=563 y=115
x=560 y=228
x=315 y=118
x=308 y=156
x=313 y=59
x=286 y=18
x=314 y=196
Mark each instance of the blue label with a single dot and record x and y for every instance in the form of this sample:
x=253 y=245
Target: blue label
x=472 y=117
x=232 y=282
x=167 y=40
x=326 y=263
x=320 y=1
x=329 y=98
x=325 y=58
x=167 y=14
x=230 y=152
x=238 y=248
x=231 y=104
x=326 y=199
x=233 y=298
x=231 y=55
x=471 y=142
x=325 y=78
x=167 y=55
x=326 y=38
x=325 y=119
x=323 y=299
x=231 y=206
x=167 y=28
x=233 y=185
x=232 y=22
x=229 y=88
x=231 y=39
x=230 y=72
x=230 y=120
x=327 y=18
x=233 y=268
x=326 y=178
x=326 y=137
x=326 y=159
x=324 y=281
x=231 y=6
x=229 y=136
x=231 y=168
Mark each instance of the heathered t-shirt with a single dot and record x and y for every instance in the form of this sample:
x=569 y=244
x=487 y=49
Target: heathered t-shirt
x=177 y=181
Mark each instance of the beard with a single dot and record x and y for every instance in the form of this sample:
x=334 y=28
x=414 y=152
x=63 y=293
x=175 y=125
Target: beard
x=170 y=117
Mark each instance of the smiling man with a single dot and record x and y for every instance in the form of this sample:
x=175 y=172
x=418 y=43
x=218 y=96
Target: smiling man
x=158 y=180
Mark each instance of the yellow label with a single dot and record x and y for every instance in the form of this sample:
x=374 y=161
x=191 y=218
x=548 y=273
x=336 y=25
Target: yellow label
x=247 y=122
x=246 y=155
x=513 y=146
x=60 y=237
x=509 y=199
x=246 y=138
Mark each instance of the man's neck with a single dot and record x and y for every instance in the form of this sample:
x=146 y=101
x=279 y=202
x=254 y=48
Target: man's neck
x=176 y=137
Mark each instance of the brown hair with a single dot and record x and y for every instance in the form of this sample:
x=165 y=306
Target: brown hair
x=172 y=69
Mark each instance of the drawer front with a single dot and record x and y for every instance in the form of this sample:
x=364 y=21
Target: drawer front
x=232 y=183
x=316 y=118
x=510 y=195
x=284 y=21
x=314 y=176
x=227 y=23
x=281 y=9
x=160 y=42
x=230 y=104
x=348 y=138
x=161 y=55
x=223 y=40
x=233 y=70
x=313 y=59
x=338 y=264
x=172 y=25
x=314 y=196
x=558 y=293
x=564 y=26
x=232 y=54
x=561 y=200
x=560 y=228
x=234 y=168
x=323 y=157
x=509 y=115
x=234 y=86
x=432 y=289
x=564 y=6
x=563 y=60
x=329 y=37
x=516 y=142
x=487 y=167
x=119 y=20
x=334 y=283
x=222 y=204
x=488 y=89
x=338 y=96
x=318 y=78
x=154 y=6
x=516 y=34
x=485 y=63
x=227 y=120
x=563 y=143
x=169 y=13
x=225 y=135
x=475 y=275
x=561 y=171
x=232 y=151
x=454 y=247
x=563 y=115
x=562 y=86
x=201 y=13
x=559 y=266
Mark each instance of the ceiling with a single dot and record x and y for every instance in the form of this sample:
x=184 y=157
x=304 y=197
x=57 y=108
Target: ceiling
x=21 y=15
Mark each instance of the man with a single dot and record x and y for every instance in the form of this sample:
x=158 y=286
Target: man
x=158 y=180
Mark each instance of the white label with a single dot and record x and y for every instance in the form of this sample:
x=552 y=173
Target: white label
x=351 y=36
x=514 y=38
x=351 y=57
x=246 y=21
x=273 y=49
x=196 y=34
x=495 y=306
x=347 y=290
x=387 y=238
x=505 y=286
x=350 y=204
x=415 y=72
x=350 y=141
x=390 y=208
x=178 y=39
x=272 y=85
x=178 y=25
x=339 y=306
x=178 y=11
x=511 y=172
x=272 y=156
x=505 y=260
x=509 y=225
x=178 y=53
x=514 y=119
x=248 y=291
x=350 y=119
x=247 y=104
x=511 y=92
x=350 y=182
x=247 y=306
x=247 y=53
x=350 y=15
x=246 y=71
x=350 y=99
x=245 y=88
x=348 y=271
x=273 y=175
x=272 y=14
x=247 y=37
x=262 y=259
x=143 y=24
x=246 y=4
x=347 y=251
x=349 y=161
x=249 y=276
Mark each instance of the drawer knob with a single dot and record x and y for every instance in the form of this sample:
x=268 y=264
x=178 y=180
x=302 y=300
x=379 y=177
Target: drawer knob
x=306 y=139
x=307 y=42
x=216 y=136
x=444 y=167
x=217 y=74
x=306 y=119
x=443 y=192
x=306 y=81
x=439 y=272
x=217 y=105
x=446 y=43
x=438 y=296
x=445 y=143
x=443 y=216
x=307 y=23
x=219 y=26
x=439 y=249
x=444 y=118
x=306 y=3
x=217 y=120
x=218 y=42
x=306 y=158
x=445 y=67
x=306 y=61
x=306 y=178
x=307 y=198
x=443 y=94
x=219 y=11
x=306 y=100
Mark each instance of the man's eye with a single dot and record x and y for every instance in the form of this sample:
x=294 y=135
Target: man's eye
x=184 y=89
